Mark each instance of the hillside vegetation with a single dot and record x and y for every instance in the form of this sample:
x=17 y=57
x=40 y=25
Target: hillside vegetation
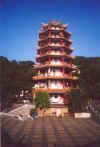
x=16 y=76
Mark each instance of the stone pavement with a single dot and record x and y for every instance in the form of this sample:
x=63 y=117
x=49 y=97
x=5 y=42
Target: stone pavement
x=49 y=132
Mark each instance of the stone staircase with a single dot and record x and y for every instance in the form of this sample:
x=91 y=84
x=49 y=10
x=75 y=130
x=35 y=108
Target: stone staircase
x=22 y=111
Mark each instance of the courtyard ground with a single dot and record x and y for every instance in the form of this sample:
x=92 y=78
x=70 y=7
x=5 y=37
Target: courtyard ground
x=49 y=132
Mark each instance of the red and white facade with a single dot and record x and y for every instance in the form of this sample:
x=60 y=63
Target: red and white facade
x=54 y=68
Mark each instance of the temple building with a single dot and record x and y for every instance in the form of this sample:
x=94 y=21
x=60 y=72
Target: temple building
x=54 y=70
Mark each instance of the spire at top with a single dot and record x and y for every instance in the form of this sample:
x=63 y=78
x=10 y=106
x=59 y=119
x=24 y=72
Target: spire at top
x=54 y=22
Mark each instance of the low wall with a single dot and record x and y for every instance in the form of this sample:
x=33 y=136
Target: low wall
x=82 y=115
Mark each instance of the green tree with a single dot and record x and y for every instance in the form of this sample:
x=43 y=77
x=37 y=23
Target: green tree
x=42 y=100
x=76 y=101
x=14 y=76
x=89 y=78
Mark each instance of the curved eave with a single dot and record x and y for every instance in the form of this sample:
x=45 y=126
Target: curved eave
x=54 y=30
x=54 y=47
x=68 y=33
x=67 y=49
x=55 y=39
x=50 y=90
x=55 y=56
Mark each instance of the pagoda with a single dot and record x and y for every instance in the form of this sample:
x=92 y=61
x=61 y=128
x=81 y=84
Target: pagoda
x=54 y=68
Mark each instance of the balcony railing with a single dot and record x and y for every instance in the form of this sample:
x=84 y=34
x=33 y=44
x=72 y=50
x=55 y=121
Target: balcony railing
x=54 y=54
x=51 y=53
x=54 y=76
x=54 y=37
x=54 y=49
x=53 y=45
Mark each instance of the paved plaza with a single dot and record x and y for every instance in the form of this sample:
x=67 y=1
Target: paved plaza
x=49 y=132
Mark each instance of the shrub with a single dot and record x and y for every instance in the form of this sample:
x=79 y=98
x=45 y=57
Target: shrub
x=42 y=100
x=32 y=112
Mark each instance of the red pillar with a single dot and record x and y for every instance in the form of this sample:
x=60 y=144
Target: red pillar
x=65 y=98
x=49 y=50
x=49 y=33
x=40 y=53
x=63 y=60
x=49 y=59
x=49 y=41
x=71 y=63
x=72 y=86
x=62 y=51
x=63 y=84
x=61 y=42
x=48 y=83
x=63 y=71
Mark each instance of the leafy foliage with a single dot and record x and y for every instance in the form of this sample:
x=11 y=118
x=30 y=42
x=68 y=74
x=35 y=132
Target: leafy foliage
x=89 y=79
x=76 y=101
x=14 y=76
x=32 y=112
x=42 y=100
